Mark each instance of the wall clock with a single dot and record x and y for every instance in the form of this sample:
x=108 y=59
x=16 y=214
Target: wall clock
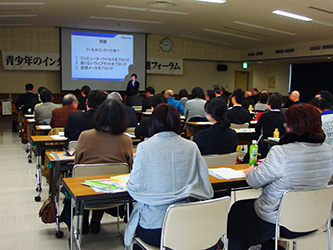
x=166 y=45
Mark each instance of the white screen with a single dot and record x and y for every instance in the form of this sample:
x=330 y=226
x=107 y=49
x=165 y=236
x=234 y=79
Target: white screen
x=101 y=60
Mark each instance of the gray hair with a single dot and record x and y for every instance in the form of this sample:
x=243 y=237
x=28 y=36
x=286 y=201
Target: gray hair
x=68 y=99
x=115 y=96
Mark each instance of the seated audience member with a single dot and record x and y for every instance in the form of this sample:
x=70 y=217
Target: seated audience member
x=195 y=108
x=166 y=181
x=171 y=100
x=219 y=93
x=269 y=121
x=264 y=91
x=294 y=97
x=150 y=91
x=43 y=111
x=255 y=95
x=133 y=121
x=135 y=99
x=210 y=94
x=82 y=99
x=323 y=107
x=105 y=143
x=261 y=106
x=78 y=122
x=291 y=165
x=141 y=131
x=219 y=138
x=183 y=96
x=29 y=107
x=60 y=115
x=237 y=114
x=248 y=99
x=327 y=95
x=223 y=95
x=27 y=97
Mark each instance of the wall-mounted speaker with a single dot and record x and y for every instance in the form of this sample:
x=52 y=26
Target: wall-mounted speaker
x=222 y=67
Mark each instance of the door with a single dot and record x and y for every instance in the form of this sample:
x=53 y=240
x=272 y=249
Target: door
x=242 y=80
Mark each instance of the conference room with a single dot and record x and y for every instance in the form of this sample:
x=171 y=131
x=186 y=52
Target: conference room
x=232 y=44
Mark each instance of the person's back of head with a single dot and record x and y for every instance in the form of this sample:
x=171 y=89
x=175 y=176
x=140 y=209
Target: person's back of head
x=95 y=98
x=254 y=91
x=150 y=90
x=29 y=87
x=46 y=96
x=40 y=89
x=239 y=95
x=263 y=98
x=326 y=94
x=158 y=99
x=294 y=96
x=164 y=118
x=85 y=90
x=69 y=99
x=168 y=93
x=217 y=91
x=321 y=103
x=111 y=117
x=183 y=93
x=304 y=120
x=275 y=100
x=248 y=94
x=217 y=108
x=198 y=92
x=210 y=94
x=115 y=96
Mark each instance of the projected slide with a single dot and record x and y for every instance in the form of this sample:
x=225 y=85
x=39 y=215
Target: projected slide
x=101 y=56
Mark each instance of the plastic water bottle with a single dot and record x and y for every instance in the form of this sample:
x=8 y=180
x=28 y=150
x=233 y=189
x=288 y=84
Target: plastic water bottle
x=276 y=133
x=253 y=153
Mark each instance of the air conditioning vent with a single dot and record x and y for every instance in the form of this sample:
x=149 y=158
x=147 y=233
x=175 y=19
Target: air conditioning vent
x=259 y=53
x=315 y=47
x=328 y=46
x=289 y=50
x=279 y=51
x=251 y=54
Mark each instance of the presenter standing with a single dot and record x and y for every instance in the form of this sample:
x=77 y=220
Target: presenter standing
x=132 y=85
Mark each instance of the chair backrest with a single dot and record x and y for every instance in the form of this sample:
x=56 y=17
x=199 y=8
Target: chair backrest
x=244 y=125
x=195 y=225
x=305 y=210
x=55 y=131
x=220 y=159
x=100 y=169
x=72 y=145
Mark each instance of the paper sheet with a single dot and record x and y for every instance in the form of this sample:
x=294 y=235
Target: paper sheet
x=226 y=173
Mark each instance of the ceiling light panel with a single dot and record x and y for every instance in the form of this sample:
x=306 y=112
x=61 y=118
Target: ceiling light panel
x=18 y=16
x=212 y=1
x=264 y=28
x=125 y=20
x=17 y=3
x=199 y=38
x=145 y=9
x=230 y=34
x=292 y=15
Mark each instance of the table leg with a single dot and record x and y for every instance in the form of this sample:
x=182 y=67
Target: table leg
x=38 y=173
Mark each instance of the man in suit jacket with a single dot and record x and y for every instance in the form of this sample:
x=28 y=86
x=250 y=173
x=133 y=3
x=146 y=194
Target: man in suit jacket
x=132 y=85
x=135 y=99
x=150 y=91
x=25 y=98
x=78 y=122
x=133 y=120
x=237 y=114
x=60 y=115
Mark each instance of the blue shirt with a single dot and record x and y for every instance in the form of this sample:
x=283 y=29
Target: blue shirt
x=177 y=104
x=327 y=112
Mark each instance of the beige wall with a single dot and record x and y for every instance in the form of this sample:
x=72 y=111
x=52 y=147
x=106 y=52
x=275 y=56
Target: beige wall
x=200 y=62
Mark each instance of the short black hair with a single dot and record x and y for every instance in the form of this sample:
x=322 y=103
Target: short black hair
x=111 y=118
x=255 y=89
x=217 y=91
x=183 y=93
x=158 y=99
x=198 y=92
x=46 y=95
x=211 y=94
x=326 y=94
x=239 y=94
x=40 y=89
x=134 y=75
x=275 y=100
x=151 y=90
x=263 y=98
x=85 y=89
x=164 y=118
x=29 y=86
x=320 y=103
x=217 y=108
x=96 y=98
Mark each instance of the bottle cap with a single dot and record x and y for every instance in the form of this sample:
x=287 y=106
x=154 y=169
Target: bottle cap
x=254 y=142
